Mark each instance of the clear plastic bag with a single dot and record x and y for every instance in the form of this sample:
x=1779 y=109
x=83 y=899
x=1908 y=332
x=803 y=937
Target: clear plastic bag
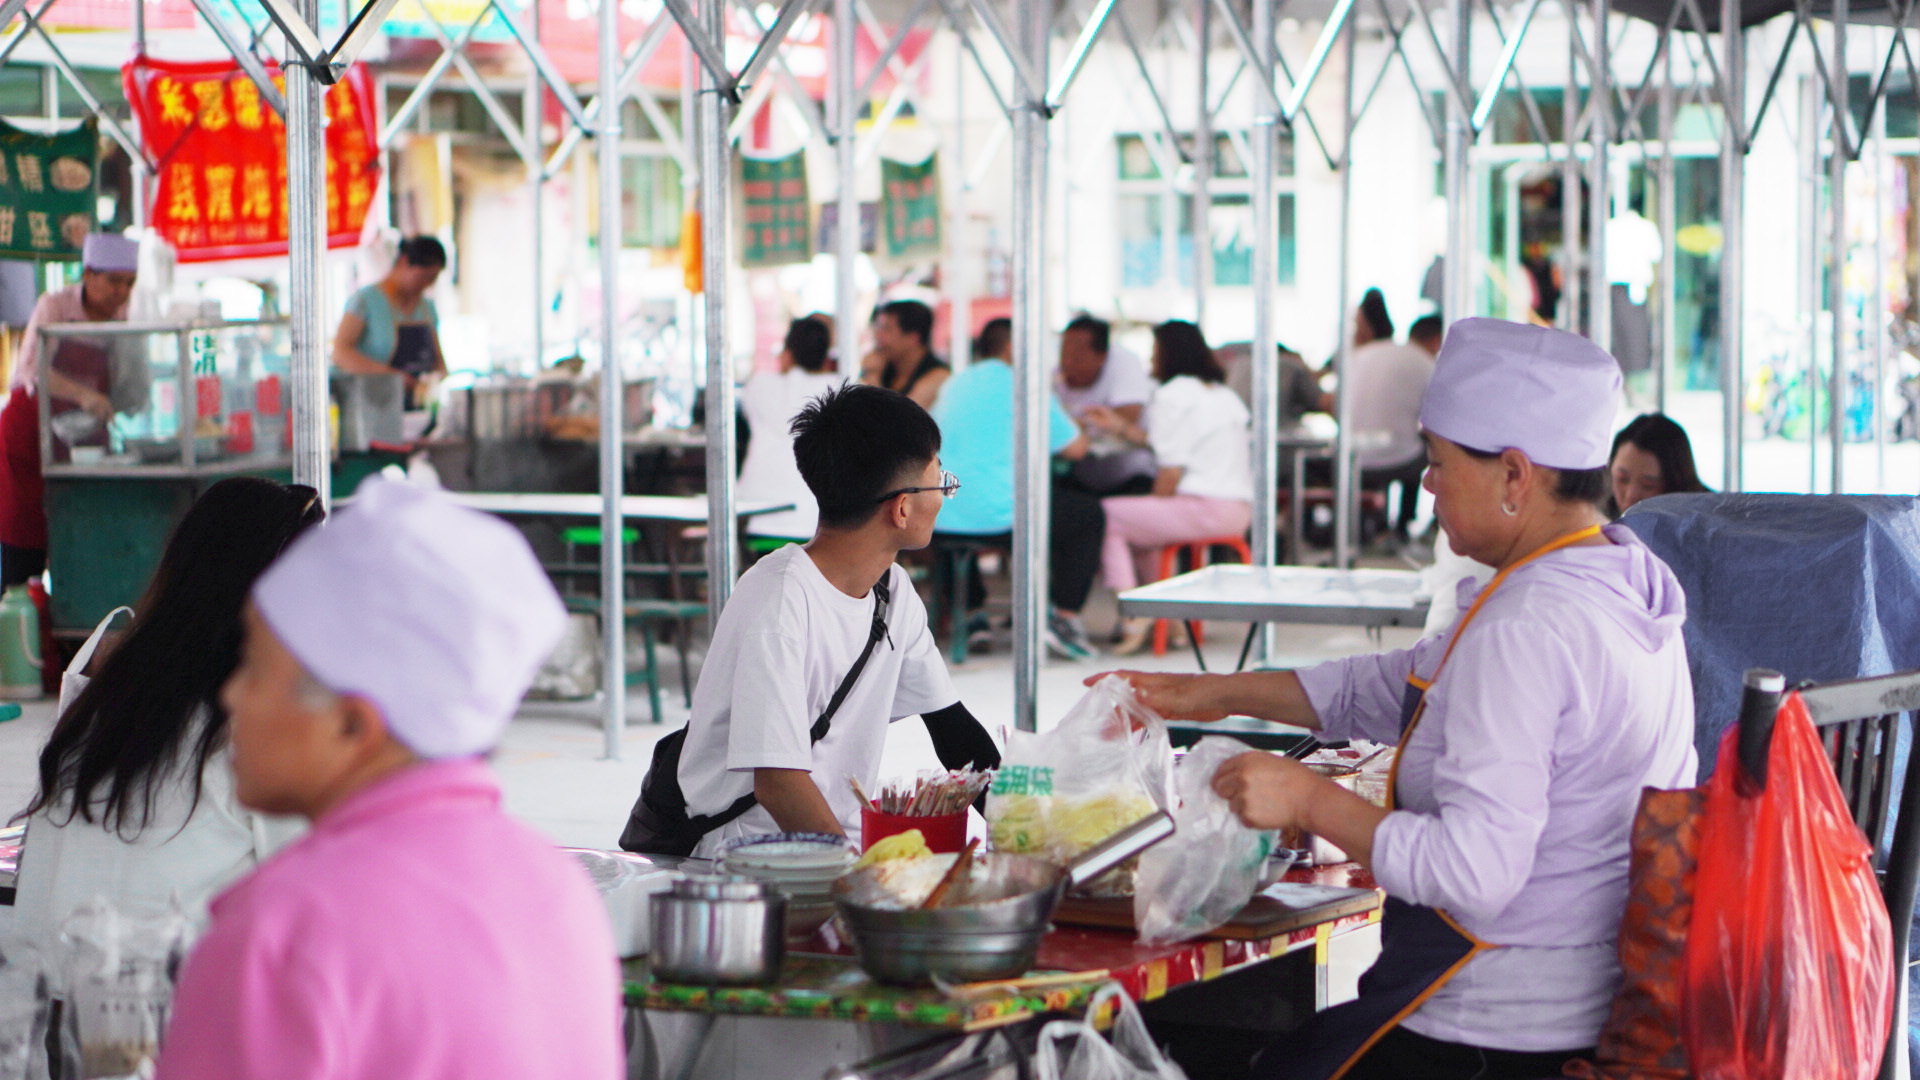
x=1130 y=1055
x=1106 y=765
x=119 y=972
x=1789 y=966
x=1187 y=888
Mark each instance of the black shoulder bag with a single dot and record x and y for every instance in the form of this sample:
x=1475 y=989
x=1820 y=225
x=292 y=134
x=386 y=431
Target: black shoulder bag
x=659 y=823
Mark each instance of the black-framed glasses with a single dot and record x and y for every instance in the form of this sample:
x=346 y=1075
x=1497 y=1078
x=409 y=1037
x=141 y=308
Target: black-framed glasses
x=948 y=484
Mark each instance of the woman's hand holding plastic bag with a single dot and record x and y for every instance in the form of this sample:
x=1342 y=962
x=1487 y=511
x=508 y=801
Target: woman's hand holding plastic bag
x=1187 y=888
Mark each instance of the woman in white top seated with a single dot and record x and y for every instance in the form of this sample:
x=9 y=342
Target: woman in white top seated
x=1197 y=429
x=770 y=400
x=136 y=801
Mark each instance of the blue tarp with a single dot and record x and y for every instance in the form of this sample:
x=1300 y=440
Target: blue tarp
x=1816 y=587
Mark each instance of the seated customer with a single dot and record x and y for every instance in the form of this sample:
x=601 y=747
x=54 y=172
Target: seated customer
x=975 y=414
x=416 y=930
x=136 y=800
x=1096 y=372
x=800 y=619
x=1204 y=489
x=1651 y=456
x=902 y=359
x=1388 y=381
x=770 y=401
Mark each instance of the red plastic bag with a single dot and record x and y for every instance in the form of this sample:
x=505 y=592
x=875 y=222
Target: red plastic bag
x=1789 y=966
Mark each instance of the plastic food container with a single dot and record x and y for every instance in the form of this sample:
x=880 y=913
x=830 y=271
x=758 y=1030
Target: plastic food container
x=945 y=834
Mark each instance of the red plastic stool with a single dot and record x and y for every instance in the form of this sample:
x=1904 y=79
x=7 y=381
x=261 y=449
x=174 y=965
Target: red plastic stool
x=1197 y=553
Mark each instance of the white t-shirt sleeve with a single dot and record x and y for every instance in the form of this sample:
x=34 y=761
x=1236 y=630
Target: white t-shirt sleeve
x=925 y=685
x=767 y=727
x=1172 y=430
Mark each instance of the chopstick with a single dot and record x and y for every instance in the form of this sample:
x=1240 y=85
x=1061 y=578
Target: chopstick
x=861 y=793
x=954 y=873
x=1304 y=749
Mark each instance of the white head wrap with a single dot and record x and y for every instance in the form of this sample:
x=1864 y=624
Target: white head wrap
x=437 y=614
x=1501 y=385
x=111 y=253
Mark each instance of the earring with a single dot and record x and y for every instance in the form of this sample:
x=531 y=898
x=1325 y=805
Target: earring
x=1509 y=509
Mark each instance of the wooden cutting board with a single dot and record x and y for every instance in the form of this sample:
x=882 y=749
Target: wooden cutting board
x=1276 y=910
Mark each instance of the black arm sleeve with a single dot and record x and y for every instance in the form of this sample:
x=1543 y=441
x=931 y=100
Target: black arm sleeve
x=959 y=739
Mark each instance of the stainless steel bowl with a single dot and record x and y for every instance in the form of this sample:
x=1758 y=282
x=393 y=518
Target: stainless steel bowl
x=711 y=929
x=993 y=932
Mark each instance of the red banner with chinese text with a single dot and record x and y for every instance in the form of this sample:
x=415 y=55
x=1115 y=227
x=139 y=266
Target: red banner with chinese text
x=221 y=157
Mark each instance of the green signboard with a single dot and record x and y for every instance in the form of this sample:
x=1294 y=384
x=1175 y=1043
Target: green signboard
x=776 y=222
x=47 y=191
x=910 y=197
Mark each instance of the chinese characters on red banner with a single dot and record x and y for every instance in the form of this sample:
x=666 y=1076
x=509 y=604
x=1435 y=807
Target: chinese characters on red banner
x=222 y=157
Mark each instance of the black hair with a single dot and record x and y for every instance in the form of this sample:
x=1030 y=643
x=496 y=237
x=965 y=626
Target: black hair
x=994 y=339
x=1667 y=441
x=912 y=317
x=1180 y=349
x=129 y=728
x=423 y=251
x=1427 y=328
x=807 y=342
x=1373 y=310
x=1569 y=485
x=855 y=443
x=1100 y=330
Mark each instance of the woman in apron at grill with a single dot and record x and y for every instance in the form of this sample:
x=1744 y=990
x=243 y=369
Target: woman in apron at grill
x=1525 y=735
x=390 y=326
x=95 y=379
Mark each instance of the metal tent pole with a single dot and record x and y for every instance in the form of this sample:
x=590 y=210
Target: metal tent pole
x=716 y=174
x=1457 y=298
x=613 y=577
x=1877 y=308
x=138 y=162
x=1809 y=277
x=1733 y=168
x=306 y=239
x=1669 y=219
x=1837 y=250
x=1265 y=370
x=1030 y=483
x=846 y=245
x=1345 y=482
x=958 y=278
x=1202 y=167
x=1600 y=194
x=1571 y=171
x=532 y=107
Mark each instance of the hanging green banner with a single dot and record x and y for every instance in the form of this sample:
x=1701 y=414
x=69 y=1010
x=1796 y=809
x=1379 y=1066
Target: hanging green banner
x=47 y=191
x=911 y=206
x=776 y=223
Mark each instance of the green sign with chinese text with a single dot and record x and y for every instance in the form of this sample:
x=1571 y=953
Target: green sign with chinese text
x=47 y=191
x=910 y=205
x=776 y=218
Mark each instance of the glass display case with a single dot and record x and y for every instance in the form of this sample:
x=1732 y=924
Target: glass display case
x=175 y=398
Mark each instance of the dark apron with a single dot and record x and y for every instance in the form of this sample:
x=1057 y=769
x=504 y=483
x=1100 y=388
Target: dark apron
x=1421 y=948
x=413 y=349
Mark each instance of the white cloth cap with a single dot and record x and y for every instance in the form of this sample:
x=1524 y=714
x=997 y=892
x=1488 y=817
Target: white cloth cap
x=437 y=614
x=111 y=253
x=1501 y=385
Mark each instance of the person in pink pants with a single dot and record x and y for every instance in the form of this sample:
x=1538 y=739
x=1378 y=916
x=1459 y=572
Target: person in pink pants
x=1197 y=429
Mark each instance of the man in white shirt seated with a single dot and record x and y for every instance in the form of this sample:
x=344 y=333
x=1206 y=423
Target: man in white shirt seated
x=1094 y=371
x=1389 y=380
x=820 y=647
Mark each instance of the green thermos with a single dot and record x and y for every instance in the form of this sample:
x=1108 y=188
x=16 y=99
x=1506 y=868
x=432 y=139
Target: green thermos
x=19 y=645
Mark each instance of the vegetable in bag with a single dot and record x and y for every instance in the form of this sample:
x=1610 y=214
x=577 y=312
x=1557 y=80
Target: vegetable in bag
x=1105 y=766
x=1184 y=890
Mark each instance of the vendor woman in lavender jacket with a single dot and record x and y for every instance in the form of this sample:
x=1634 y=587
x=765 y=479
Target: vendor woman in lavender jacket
x=1525 y=736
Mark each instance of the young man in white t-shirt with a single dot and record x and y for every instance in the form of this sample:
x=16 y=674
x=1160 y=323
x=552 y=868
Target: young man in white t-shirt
x=799 y=619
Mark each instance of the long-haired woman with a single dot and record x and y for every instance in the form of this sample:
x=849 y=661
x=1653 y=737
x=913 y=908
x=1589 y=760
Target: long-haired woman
x=136 y=801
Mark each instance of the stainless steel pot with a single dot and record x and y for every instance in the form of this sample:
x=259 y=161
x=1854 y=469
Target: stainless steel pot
x=719 y=930
x=992 y=927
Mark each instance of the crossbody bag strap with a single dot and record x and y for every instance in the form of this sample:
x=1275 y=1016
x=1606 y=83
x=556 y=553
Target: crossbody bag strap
x=881 y=598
